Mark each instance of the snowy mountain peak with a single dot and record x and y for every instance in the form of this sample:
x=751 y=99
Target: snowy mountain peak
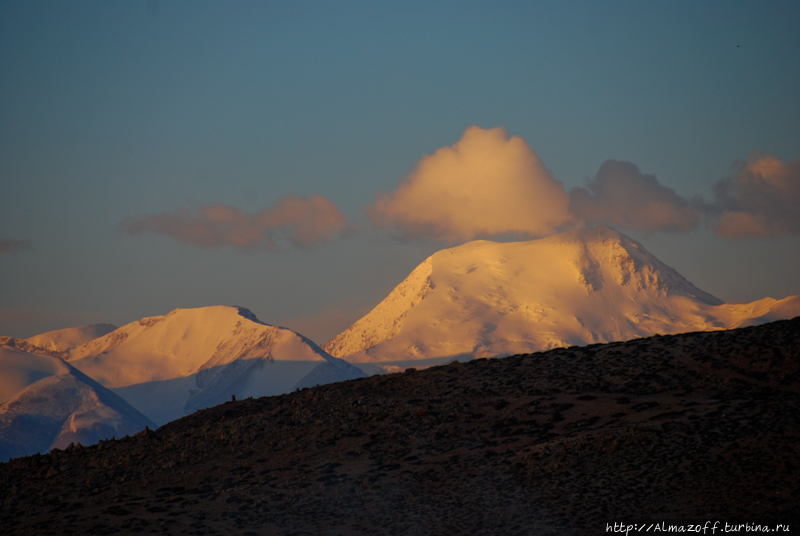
x=169 y=365
x=62 y=340
x=386 y=319
x=185 y=341
x=487 y=298
x=628 y=262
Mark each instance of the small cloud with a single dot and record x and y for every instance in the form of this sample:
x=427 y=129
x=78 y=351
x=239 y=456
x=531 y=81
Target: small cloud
x=485 y=184
x=622 y=195
x=11 y=246
x=761 y=200
x=294 y=220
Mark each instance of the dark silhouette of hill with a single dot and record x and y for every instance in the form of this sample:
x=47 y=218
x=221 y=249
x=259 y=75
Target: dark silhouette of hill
x=693 y=427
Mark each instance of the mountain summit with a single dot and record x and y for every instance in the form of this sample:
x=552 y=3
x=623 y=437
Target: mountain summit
x=585 y=286
x=63 y=340
x=171 y=365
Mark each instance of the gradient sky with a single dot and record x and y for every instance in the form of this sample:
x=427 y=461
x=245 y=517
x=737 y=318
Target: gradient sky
x=154 y=155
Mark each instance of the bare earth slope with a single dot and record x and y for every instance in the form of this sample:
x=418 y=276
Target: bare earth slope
x=694 y=427
x=581 y=287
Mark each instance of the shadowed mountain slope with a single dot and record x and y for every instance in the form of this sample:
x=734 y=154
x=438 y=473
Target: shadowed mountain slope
x=45 y=403
x=700 y=426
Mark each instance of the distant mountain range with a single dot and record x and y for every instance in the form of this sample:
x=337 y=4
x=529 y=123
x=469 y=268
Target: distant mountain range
x=678 y=431
x=147 y=373
x=486 y=299
x=481 y=299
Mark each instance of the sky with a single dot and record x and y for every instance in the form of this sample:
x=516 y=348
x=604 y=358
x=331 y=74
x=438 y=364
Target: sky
x=301 y=158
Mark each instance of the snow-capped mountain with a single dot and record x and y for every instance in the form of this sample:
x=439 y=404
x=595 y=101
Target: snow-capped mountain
x=171 y=365
x=46 y=403
x=581 y=287
x=62 y=340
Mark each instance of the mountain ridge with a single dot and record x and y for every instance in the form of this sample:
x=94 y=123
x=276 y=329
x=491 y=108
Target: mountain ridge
x=485 y=299
x=188 y=359
x=62 y=340
x=694 y=427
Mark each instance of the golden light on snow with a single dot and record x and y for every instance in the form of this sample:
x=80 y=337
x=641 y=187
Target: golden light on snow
x=581 y=287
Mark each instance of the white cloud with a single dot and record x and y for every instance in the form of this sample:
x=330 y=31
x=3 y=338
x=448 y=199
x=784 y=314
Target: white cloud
x=485 y=184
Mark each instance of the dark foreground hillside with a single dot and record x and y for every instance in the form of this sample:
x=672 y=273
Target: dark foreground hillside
x=687 y=428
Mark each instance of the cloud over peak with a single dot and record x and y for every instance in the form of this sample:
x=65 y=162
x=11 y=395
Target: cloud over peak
x=622 y=195
x=485 y=184
x=294 y=220
x=490 y=184
x=763 y=199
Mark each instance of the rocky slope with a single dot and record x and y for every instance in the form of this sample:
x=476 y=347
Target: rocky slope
x=582 y=287
x=694 y=427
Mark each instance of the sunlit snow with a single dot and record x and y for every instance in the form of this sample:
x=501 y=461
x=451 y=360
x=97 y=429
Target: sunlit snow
x=486 y=299
x=171 y=365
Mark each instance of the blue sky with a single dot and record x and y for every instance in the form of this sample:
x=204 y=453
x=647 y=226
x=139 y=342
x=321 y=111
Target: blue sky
x=113 y=112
